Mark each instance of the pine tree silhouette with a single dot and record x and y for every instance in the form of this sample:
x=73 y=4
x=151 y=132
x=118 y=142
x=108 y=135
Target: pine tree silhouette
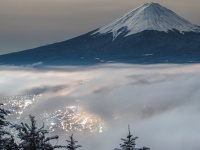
x=7 y=141
x=33 y=138
x=129 y=142
x=72 y=144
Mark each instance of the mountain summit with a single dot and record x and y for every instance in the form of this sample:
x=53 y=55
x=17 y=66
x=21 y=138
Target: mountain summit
x=149 y=16
x=148 y=34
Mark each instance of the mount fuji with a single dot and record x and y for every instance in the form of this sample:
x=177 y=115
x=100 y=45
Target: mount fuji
x=148 y=34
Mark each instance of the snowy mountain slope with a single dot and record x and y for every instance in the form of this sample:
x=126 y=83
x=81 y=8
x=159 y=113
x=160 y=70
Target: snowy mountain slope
x=147 y=35
x=149 y=16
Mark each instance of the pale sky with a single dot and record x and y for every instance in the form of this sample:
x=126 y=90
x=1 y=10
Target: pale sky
x=27 y=24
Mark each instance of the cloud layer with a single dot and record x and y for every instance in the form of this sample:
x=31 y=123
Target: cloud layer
x=160 y=102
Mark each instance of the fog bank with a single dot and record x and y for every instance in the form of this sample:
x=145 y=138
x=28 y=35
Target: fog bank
x=160 y=102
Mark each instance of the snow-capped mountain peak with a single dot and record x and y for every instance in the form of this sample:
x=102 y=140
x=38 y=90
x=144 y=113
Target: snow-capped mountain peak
x=149 y=16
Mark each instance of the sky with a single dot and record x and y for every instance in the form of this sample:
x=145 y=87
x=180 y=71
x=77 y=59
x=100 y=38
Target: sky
x=160 y=102
x=31 y=23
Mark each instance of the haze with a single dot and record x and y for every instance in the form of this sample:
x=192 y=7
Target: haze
x=30 y=23
x=160 y=102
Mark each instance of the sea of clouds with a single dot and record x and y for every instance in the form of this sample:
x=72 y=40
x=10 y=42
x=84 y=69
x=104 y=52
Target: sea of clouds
x=161 y=103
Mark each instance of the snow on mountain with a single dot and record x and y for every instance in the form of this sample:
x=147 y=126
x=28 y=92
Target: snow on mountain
x=149 y=16
x=100 y=46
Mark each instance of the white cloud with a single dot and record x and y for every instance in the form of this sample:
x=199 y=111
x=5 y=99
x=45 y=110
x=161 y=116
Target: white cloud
x=160 y=102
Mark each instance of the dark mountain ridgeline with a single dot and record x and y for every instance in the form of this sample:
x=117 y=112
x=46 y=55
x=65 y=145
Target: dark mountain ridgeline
x=135 y=38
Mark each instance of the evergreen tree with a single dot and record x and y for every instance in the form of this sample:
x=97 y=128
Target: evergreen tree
x=33 y=138
x=129 y=142
x=144 y=148
x=72 y=144
x=6 y=139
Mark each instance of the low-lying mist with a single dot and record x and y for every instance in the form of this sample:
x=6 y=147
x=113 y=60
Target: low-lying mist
x=160 y=102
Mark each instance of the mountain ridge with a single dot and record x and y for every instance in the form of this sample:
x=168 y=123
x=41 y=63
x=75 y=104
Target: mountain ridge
x=144 y=47
x=149 y=16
